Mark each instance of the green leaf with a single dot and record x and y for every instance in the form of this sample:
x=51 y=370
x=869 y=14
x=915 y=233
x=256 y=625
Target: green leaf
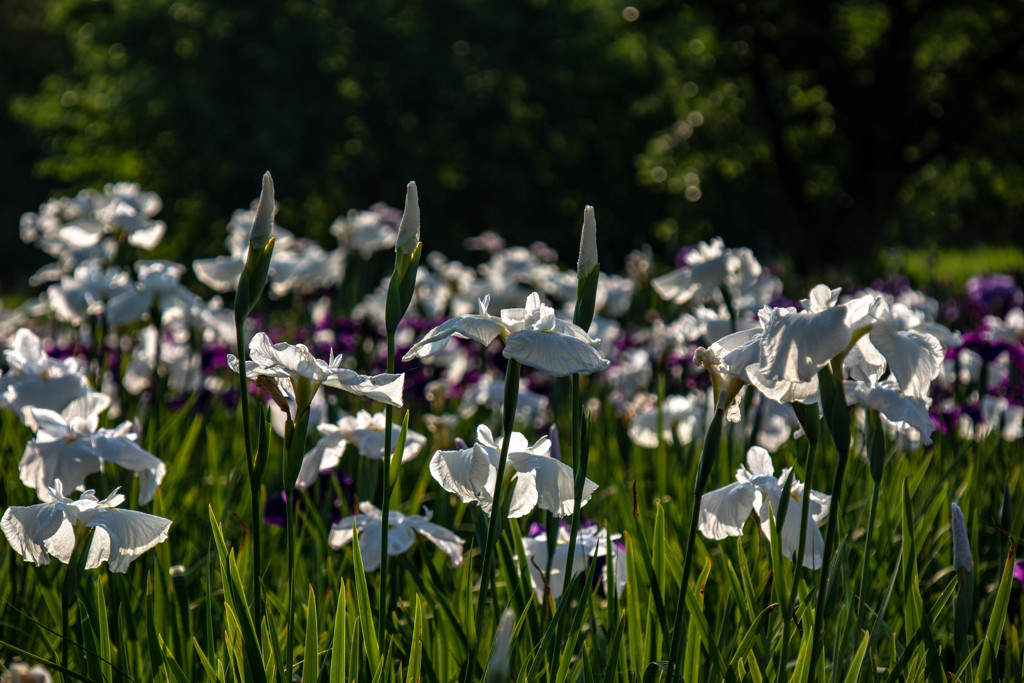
x=416 y=653
x=751 y=636
x=310 y=661
x=994 y=632
x=370 y=646
x=339 y=641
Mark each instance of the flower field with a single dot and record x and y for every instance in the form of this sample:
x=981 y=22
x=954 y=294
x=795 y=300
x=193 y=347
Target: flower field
x=680 y=472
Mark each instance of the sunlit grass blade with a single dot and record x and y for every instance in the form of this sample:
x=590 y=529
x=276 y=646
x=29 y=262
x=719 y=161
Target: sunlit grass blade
x=310 y=660
x=416 y=653
x=370 y=646
x=339 y=640
x=994 y=632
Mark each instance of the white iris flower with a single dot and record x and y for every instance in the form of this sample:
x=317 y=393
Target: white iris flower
x=69 y=446
x=362 y=430
x=36 y=380
x=591 y=542
x=540 y=480
x=299 y=374
x=401 y=534
x=724 y=511
x=39 y=532
x=532 y=335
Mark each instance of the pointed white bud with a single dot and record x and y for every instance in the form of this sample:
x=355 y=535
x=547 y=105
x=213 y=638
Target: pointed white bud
x=588 y=244
x=263 y=226
x=961 y=547
x=409 y=228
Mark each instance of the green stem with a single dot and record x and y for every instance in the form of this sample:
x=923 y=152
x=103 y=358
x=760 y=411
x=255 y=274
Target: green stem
x=295 y=436
x=837 y=417
x=875 y=488
x=497 y=518
x=382 y=609
x=712 y=440
x=579 y=466
x=254 y=483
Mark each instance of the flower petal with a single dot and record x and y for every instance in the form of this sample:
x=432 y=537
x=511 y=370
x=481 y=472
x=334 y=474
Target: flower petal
x=468 y=473
x=555 y=354
x=553 y=480
x=38 y=531
x=443 y=538
x=384 y=388
x=724 y=511
x=483 y=328
x=121 y=536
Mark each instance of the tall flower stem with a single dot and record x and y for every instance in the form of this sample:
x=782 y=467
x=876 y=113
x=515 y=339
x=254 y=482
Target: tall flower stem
x=385 y=505
x=837 y=417
x=72 y=578
x=579 y=467
x=497 y=519
x=876 y=459
x=254 y=480
x=809 y=420
x=588 y=274
x=712 y=440
x=295 y=446
x=408 y=249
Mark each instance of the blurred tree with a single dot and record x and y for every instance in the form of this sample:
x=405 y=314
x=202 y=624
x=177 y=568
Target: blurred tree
x=828 y=130
x=819 y=130
x=509 y=117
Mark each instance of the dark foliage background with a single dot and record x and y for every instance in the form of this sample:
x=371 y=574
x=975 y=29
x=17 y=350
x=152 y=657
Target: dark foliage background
x=820 y=133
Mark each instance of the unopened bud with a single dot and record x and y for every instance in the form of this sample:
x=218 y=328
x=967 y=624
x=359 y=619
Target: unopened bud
x=588 y=244
x=409 y=228
x=961 y=547
x=263 y=226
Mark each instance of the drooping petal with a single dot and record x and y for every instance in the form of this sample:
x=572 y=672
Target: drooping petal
x=724 y=511
x=37 y=532
x=54 y=393
x=220 y=273
x=370 y=442
x=554 y=481
x=468 y=473
x=524 y=495
x=789 y=534
x=699 y=280
x=903 y=411
x=443 y=538
x=400 y=537
x=556 y=354
x=794 y=346
x=125 y=453
x=384 y=388
x=341 y=533
x=782 y=390
x=914 y=358
x=325 y=455
x=121 y=536
x=69 y=461
x=483 y=328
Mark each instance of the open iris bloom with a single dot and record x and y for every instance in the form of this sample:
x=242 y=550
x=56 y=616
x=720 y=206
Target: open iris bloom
x=708 y=268
x=532 y=335
x=362 y=430
x=401 y=535
x=70 y=445
x=299 y=374
x=540 y=480
x=724 y=511
x=36 y=380
x=39 y=532
x=592 y=543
